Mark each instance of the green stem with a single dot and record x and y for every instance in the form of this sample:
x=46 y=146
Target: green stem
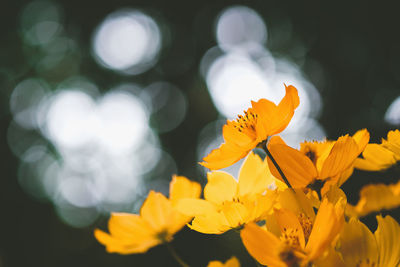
x=176 y=256
x=276 y=165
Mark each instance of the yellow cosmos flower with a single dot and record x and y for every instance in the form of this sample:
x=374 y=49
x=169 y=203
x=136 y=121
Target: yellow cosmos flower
x=298 y=240
x=328 y=161
x=359 y=247
x=374 y=198
x=232 y=262
x=262 y=120
x=229 y=204
x=378 y=157
x=157 y=223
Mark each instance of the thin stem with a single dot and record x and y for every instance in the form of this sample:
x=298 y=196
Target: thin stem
x=176 y=256
x=276 y=165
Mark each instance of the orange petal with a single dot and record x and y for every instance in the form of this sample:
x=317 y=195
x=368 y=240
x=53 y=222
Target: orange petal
x=298 y=168
x=387 y=237
x=375 y=197
x=262 y=245
x=327 y=225
x=357 y=244
x=224 y=156
x=342 y=155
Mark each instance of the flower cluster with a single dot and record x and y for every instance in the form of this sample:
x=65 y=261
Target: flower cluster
x=287 y=205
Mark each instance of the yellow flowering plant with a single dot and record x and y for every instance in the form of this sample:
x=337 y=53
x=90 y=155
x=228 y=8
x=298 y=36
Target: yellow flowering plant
x=286 y=205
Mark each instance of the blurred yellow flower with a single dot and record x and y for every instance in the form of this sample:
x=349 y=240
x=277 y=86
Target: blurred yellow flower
x=229 y=204
x=374 y=198
x=378 y=157
x=157 y=223
x=359 y=247
x=232 y=262
x=295 y=240
x=262 y=120
x=328 y=161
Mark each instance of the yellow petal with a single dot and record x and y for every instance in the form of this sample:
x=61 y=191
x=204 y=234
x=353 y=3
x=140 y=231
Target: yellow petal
x=181 y=187
x=262 y=245
x=357 y=244
x=210 y=223
x=361 y=137
x=224 y=156
x=327 y=225
x=375 y=158
x=342 y=155
x=129 y=226
x=221 y=186
x=232 y=262
x=157 y=211
x=258 y=207
x=393 y=142
x=115 y=245
x=254 y=176
x=235 y=213
x=298 y=169
x=388 y=239
x=193 y=207
x=375 y=198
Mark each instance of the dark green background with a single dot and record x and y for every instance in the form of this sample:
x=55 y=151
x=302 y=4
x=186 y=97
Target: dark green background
x=357 y=46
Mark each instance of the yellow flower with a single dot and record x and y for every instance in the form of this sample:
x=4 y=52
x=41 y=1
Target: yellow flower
x=157 y=223
x=359 y=247
x=374 y=198
x=232 y=262
x=262 y=120
x=378 y=157
x=296 y=240
x=328 y=161
x=229 y=204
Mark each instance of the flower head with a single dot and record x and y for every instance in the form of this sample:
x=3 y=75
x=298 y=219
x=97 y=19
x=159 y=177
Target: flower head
x=296 y=239
x=157 y=223
x=262 y=120
x=330 y=161
x=229 y=204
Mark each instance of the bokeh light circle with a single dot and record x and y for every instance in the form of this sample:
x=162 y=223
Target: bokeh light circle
x=127 y=41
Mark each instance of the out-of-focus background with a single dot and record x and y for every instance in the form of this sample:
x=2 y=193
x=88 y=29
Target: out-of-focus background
x=102 y=101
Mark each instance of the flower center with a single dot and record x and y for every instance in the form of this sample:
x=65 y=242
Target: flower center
x=290 y=237
x=288 y=256
x=247 y=122
x=306 y=224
